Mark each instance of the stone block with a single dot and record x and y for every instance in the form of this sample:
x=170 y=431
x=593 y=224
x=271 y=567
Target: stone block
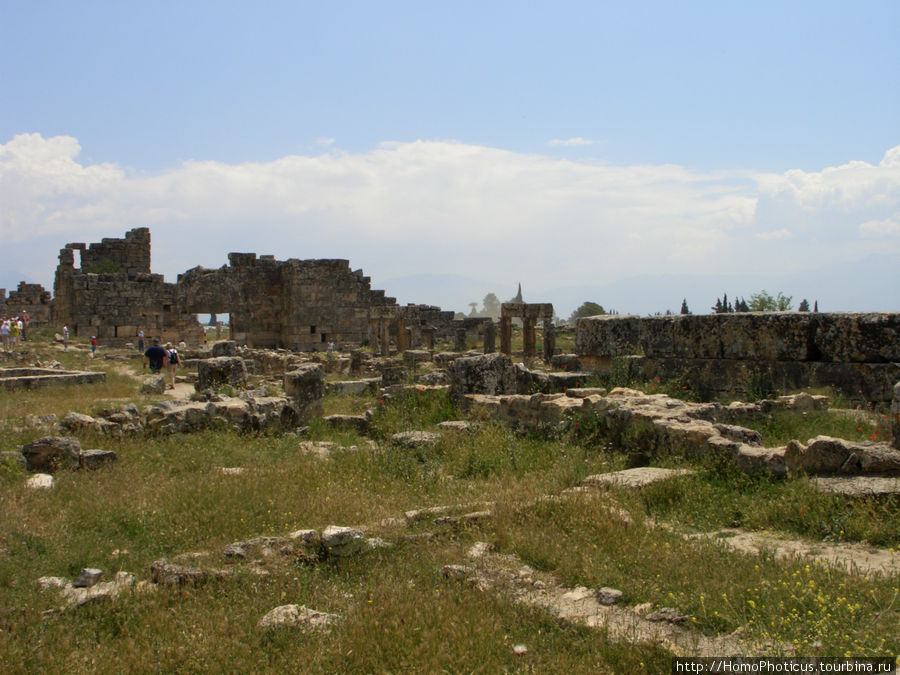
x=214 y=372
x=305 y=386
x=52 y=453
x=487 y=374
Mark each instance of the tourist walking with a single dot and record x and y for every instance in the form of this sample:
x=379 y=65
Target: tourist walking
x=155 y=356
x=4 y=333
x=141 y=341
x=93 y=346
x=172 y=363
x=65 y=338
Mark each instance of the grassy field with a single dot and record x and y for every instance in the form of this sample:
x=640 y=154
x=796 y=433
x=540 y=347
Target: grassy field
x=168 y=497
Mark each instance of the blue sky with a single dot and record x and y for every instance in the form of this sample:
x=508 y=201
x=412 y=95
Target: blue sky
x=564 y=145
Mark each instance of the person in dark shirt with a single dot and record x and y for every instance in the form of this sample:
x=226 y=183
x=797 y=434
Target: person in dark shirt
x=156 y=356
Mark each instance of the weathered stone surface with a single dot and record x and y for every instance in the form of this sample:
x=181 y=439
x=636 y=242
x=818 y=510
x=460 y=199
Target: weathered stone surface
x=224 y=348
x=415 y=439
x=52 y=453
x=297 y=616
x=859 y=485
x=635 y=478
x=39 y=481
x=609 y=596
x=825 y=455
x=352 y=387
x=215 y=372
x=458 y=426
x=96 y=459
x=668 y=614
x=341 y=542
x=89 y=576
x=856 y=353
x=164 y=572
x=491 y=374
x=12 y=379
x=93 y=590
x=154 y=385
x=305 y=386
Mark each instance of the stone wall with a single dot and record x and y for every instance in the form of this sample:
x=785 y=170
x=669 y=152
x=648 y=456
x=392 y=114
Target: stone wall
x=857 y=354
x=296 y=304
x=31 y=298
x=114 y=306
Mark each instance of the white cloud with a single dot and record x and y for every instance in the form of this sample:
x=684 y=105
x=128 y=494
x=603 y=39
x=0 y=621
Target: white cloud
x=324 y=142
x=776 y=234
x=889 y=227
x=447 y=207
x=571 y=142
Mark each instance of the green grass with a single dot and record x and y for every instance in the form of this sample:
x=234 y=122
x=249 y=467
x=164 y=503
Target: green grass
x=781 y=426
x=167 y=496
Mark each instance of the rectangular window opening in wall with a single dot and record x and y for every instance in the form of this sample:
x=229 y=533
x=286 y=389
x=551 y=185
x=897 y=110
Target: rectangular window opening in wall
x=312 y=330
x=323 y=337
x=167 y=308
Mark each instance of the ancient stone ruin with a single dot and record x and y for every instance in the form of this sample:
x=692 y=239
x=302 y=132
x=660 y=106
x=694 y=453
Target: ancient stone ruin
x=303 y=305
x=719 y=354
x=30 y=298
x=113 y=294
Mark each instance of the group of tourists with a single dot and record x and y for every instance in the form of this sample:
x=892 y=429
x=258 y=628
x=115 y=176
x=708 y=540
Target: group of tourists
x=13 y=330
x=158 y=357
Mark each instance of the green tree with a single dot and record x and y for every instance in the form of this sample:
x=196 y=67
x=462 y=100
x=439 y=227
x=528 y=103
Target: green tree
x=491 y=306
x=587 y=309
x=764 y=302
x=804 y=305
x=684 y=307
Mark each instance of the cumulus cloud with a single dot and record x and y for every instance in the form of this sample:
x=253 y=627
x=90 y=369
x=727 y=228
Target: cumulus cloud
x=571 y=142
x=447 y=207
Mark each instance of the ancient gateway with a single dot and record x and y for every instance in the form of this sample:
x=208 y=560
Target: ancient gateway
x=296 y=304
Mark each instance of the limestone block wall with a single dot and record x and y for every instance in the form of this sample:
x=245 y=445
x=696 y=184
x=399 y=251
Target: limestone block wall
x=115 y=306
x=131 y=254
x=856 y=353
x=31 y=298
x=297 y=304
x=326 y=302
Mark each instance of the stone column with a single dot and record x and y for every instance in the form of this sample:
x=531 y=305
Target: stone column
x=506 y=335
x=355 y=362
x=384 y=336
x=460 y=340
x=895 y=416
x=402 y=336
x=490 y=338
x=549 y=340
x=428 y=338
x=529 y=337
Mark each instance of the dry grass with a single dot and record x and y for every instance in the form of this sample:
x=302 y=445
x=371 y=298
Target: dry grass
x=167 y=496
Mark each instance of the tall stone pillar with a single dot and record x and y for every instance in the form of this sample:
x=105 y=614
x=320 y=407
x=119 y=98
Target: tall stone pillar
x=460 y=340
x=895 y=415
x=549 y=340
x=490 y=338
x=506 y=335
x=428 y=338
x=384 y=336
x=529 y=336
x=402 y=336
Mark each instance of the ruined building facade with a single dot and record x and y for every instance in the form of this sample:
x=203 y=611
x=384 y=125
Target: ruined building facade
x=112 y=293
x=296 y=304
x=31 y=298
